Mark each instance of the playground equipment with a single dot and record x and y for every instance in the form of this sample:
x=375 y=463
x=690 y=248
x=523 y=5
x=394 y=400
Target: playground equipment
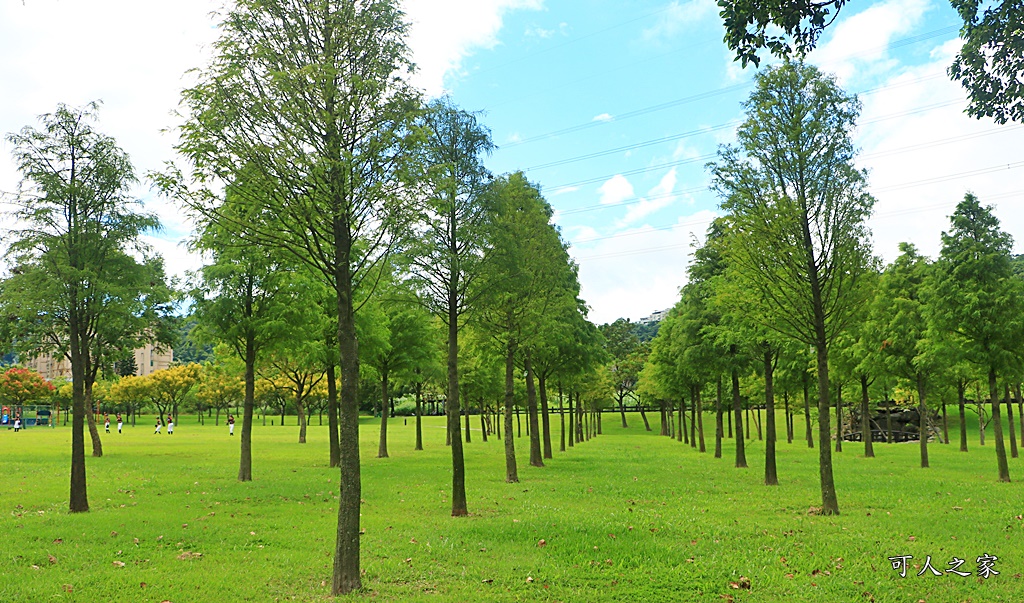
x=31 y=415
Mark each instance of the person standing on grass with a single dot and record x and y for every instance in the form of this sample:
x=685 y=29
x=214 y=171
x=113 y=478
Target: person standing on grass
x=119 y=423
x=106 y=422
x=159 y=424
x=17 y=424
x=170 y=425
x=231 y=425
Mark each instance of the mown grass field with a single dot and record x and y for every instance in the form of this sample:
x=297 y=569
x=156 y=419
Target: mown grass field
x=629 y=516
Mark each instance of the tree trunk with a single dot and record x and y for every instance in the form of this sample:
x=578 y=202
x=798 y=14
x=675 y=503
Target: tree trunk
x=465 y=416
x=599 y=415
x=1009 y=421
x=718 y=419
x=728 y=416
x=1004 y=468
x=698 y=402
x=79 y=501
x=459 y=508
x=536 y=457
x=511 y=470
x=693 y=420
x=622 y=408
x=483 y=423
x=682 y=420
x=245 y=457
x=561 y=416
x=748 y=421
x=300 y=408
x=94 y=433
x=346 y=576
x=771 y=476
x=643 y=415
x=741 y=456
x=789 y=418
x=579 y=419
x=1020 y=412
x=572 y=423
x=419 y=414
x=382 y=443
x=963 y=417
x=545 y=419
x=663 y=415
x=807 y=410
x=945 y=422
x=865 y=418
x=839 y=417
x=922 y=410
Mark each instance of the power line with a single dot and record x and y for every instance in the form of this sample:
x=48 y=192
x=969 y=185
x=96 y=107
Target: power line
x=893 y=214
x=709 y=156
x=895 y=187
x=708 y=129
x=716 y=92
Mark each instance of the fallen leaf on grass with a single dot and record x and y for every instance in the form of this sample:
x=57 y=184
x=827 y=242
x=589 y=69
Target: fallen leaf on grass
x=53 y=559
x=58 y=540
x=529 y=579
x=189 y=555
x=142 y=585
x=118 y=563
x=68 y=588
x=742 y=583
x=35 y=567
x=542 y=542
x=488 y=580
x=112 y=534
x=408 y=560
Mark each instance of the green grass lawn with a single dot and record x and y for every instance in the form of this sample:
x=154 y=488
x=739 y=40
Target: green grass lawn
x=629 y=516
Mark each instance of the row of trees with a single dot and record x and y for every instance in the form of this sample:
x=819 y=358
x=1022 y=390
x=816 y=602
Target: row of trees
x=346 y=222
x=789 y=268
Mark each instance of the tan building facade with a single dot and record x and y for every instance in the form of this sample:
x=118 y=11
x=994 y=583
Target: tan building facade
x=147 y=359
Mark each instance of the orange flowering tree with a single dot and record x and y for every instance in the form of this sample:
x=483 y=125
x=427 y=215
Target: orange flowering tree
x=21 y=386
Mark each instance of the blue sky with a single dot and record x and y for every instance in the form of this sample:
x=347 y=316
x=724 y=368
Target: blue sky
x=568 y=83
x=612 y=107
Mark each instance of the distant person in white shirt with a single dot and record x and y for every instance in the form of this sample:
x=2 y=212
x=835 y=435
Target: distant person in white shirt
x=159 y=424
x=231 y=425
x=170 y=425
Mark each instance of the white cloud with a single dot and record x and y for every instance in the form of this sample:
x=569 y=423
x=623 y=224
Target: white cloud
x=445 y=32
x=677 y=18
x=657 y=198
x=639 y=270
x=603 y=117
x=615 y=190
x=134 y=57
x=858 y=44
x=564 y=190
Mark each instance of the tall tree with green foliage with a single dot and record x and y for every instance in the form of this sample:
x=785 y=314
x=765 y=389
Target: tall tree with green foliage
x=527 y=276
x=407 y=344
x=902 y=316
x=446 y=253
x=797 y=208
x=977 y=297
x=626 y=353
x=306 y=105
x=243 y=299
x=76 y=288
